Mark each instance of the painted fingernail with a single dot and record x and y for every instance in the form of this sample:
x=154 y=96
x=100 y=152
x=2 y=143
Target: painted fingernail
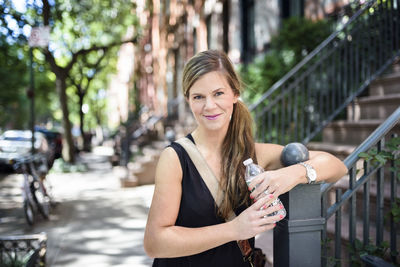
x=251 y=197
x=281 y=206
x=281 y=216
x=274 y=224
x=264 y=207
x=271 y=196
x=249 y=188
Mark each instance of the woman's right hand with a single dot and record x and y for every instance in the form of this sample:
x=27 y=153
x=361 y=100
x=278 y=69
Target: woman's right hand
x=254 y=219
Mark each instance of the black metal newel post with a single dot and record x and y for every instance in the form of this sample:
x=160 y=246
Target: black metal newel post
x=297 y=238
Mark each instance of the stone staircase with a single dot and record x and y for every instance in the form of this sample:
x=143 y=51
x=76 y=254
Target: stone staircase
x=141 y=170
x=342 y=137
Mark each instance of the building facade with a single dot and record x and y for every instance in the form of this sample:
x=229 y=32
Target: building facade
x=172 y=31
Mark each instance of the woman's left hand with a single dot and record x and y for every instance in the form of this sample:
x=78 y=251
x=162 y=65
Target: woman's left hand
x=275 y=182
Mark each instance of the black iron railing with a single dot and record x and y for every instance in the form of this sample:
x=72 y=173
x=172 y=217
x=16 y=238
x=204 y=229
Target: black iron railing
x=305 y=100
x=367 y=170
x=24 y=250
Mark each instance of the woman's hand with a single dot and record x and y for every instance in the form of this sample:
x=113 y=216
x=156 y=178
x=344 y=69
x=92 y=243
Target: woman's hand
x=281 y=180
x=274 y=182
x=254 y=219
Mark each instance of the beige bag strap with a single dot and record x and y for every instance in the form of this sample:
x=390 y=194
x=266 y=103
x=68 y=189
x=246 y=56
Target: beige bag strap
x=212 y=183
x=202 y=167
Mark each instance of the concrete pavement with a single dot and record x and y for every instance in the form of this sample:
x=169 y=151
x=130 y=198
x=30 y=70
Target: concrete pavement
x=96 y=223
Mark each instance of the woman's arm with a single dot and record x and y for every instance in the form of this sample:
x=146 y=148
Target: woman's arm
x=279 y=179
x=163 y=239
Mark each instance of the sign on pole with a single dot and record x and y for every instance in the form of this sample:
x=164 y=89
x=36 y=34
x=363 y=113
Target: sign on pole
x=40 y=36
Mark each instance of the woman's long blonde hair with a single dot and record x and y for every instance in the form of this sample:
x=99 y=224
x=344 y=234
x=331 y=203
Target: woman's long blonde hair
x=238 y=144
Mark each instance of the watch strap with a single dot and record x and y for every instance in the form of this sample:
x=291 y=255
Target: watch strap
x=308 y=169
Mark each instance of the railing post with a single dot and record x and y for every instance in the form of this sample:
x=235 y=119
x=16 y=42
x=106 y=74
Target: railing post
x=297 y=238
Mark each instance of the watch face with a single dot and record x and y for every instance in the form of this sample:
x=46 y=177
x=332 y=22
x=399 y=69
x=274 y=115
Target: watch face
x=312 y=175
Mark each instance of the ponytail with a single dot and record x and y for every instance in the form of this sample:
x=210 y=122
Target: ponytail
x=238 y=146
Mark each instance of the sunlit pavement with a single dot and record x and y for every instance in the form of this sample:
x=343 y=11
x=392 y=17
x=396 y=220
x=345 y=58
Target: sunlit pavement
x=96 y=223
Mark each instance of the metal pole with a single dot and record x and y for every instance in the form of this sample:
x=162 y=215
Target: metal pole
x=31 y=95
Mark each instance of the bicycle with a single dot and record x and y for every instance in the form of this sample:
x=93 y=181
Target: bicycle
x=34 y=193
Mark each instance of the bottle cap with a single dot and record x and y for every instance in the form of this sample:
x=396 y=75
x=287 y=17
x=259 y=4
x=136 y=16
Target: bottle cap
x=247 y=162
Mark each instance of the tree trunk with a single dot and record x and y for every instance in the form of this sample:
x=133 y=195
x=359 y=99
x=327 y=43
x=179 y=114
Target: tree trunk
x=69 y=146
x=85 y=140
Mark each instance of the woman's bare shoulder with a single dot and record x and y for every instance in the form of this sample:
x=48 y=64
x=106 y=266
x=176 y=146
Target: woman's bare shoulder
x=169 y=166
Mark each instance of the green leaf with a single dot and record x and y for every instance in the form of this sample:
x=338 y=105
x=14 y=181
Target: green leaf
x=381 y=159
x=364 y=155
x=393 y=169
x=363 y=254
x=358 y=245
x=385 y=244
x=371 y=248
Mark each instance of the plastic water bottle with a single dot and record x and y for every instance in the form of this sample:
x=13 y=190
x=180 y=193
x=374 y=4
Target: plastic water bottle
x=253 y=170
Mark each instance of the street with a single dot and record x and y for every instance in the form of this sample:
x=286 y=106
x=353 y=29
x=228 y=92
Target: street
x=95 y=223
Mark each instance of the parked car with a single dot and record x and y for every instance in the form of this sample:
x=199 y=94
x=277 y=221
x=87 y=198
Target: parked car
x=15 y=144
x=54 y=139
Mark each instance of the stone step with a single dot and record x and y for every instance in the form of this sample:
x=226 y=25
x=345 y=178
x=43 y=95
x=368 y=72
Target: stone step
x=141 y=171
x=374 y=107
x=341 y=151
x=386 y=85
x=352 y=132
x=144 y=165
x=144 y=169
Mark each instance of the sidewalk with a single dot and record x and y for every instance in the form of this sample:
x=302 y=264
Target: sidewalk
x=97 y=223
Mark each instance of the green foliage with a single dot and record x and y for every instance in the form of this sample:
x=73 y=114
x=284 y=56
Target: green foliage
x=380 y=158
x=60 y=166
x=301 y=36
x=82 y=25
x=297 y=38
x=389 y=153
x=359 y=250
x=80 y=32
x=15 y=259
x=14 y=83
x=376 y=158
x=93 y=78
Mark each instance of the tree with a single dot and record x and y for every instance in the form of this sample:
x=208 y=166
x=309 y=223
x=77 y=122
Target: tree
x=77 y=29
x=82 y=76
x=14 y=82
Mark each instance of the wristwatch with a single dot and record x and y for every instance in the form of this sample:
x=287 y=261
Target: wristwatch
x=311 y=174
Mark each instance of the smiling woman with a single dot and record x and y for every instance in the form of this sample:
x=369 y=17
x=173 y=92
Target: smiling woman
x=185 y=225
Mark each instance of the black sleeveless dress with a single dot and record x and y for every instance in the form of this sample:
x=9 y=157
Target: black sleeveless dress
x=197 y=209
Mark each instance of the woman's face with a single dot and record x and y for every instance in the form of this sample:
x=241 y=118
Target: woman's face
x=211 y=100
